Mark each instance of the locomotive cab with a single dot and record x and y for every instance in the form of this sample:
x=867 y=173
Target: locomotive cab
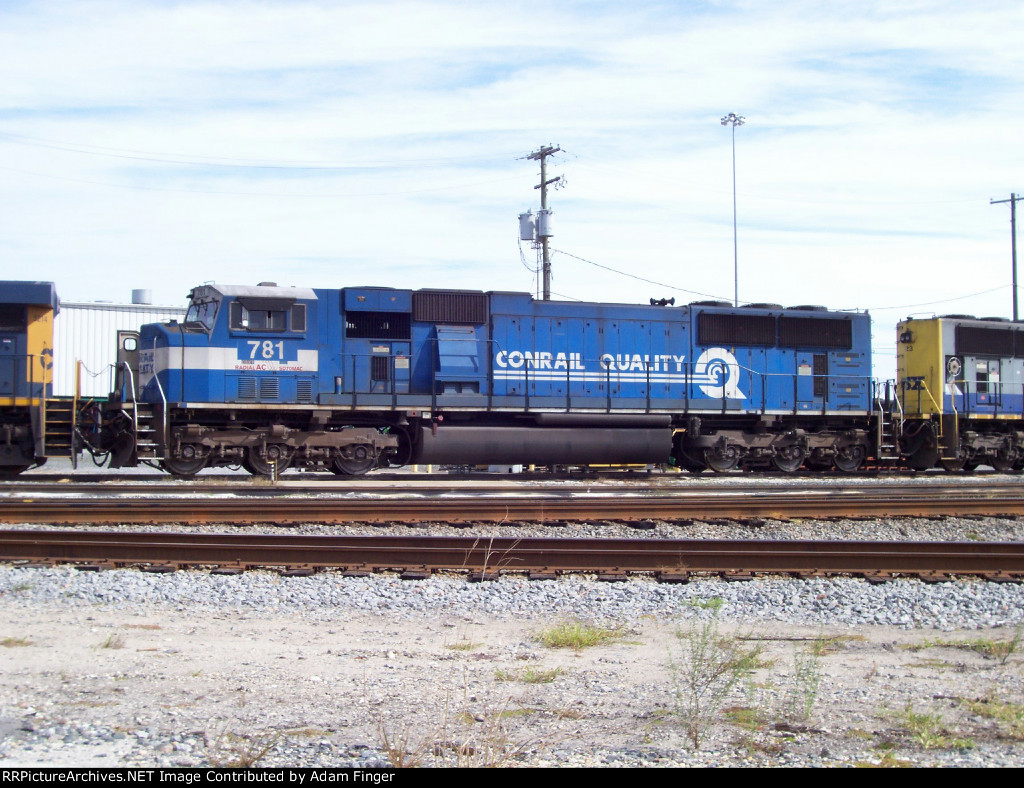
x=238 y=344
x=26 y=371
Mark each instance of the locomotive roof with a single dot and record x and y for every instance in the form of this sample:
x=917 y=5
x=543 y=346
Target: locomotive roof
x=252 y=291
x=32 y=293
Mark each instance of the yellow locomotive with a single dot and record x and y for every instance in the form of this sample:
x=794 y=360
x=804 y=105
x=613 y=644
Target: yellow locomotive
x=961 y=392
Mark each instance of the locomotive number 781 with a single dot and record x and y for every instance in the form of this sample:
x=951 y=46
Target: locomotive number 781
x=266 y=349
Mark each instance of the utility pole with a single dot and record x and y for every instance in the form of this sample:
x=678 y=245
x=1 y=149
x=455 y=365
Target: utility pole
x=1013 y=241
x=542 y=156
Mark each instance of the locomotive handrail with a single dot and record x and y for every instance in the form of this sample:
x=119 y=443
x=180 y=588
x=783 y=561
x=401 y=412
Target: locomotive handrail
x=131 y=388
x=611 y=376
x=166 y=438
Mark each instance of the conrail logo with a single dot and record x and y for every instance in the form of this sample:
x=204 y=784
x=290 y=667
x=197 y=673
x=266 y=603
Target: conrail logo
x=716 y=372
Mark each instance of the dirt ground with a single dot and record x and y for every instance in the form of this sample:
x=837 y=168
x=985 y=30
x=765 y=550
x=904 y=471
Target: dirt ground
x=177 y=688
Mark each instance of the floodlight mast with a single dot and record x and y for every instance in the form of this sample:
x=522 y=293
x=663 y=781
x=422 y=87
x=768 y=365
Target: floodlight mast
x=734 y=120
x=1014 y=199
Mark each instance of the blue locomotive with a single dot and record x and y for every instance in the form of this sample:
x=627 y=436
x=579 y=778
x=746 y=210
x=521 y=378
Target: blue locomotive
x=348 y=379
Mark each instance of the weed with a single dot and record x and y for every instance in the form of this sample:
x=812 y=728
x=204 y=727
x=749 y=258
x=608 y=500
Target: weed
x=803 y=693
x=830 y=644
x=745 y=717
x=462 y=739
x=463 y=645
x=1011 y=715
x=705 y=674
x=402 y=752
x=929 y=731
x=520 y=712
x=987 y=647
x=934 y=664
x=710 y=603
x=578 y=635
x=887 y=761
x=114 y=640
x=15 y=642
x=529 y=675
x=231 y=750
x=568 y=714
x=308 y=733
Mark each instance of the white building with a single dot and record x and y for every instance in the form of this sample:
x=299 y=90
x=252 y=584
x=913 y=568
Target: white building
x=87 y=332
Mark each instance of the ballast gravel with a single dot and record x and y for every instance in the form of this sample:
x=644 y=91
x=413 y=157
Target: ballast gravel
x=125 y=668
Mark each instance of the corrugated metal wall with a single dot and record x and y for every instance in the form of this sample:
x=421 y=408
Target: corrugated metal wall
x=88 y=332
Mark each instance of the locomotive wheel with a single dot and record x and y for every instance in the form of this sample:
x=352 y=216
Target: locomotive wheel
x=958 y=463
x=952 y=466
x=723 y=459
x=789 y=458
x=13 y=470
x=1003 y=464
x=191 y=461
x=259 y=463
x=849 y=458
x=354 y=461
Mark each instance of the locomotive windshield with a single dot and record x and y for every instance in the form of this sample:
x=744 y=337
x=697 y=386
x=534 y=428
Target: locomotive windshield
x=201 y=315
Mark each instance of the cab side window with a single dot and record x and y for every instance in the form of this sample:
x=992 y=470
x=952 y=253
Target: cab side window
x=253 y=318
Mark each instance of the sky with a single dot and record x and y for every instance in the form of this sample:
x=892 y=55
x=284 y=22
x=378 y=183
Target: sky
x=162 y=145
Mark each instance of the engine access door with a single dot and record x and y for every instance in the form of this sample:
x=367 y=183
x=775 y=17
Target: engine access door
x=127 y=362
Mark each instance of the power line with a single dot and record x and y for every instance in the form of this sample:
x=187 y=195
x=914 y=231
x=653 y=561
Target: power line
x=221 y=161
x=138 y=187
x=933 y=303
x=640 y=278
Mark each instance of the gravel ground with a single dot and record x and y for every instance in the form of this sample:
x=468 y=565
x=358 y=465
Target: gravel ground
x=125 y=668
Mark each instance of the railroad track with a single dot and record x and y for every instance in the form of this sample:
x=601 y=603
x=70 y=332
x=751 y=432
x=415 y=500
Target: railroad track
x=667 y=560
x=514 y=504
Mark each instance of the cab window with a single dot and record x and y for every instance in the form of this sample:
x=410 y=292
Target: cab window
x=253 y=317
x=203 y=314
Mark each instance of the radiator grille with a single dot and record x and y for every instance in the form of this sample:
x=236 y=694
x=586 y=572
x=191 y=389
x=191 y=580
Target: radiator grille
x=449 y=306
x=978 y=341
x=814 y=332
x=731 y=329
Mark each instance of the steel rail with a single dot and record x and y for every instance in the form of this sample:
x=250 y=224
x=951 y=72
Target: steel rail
x=434 y=486
x=618 y=505
x=669 y=559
